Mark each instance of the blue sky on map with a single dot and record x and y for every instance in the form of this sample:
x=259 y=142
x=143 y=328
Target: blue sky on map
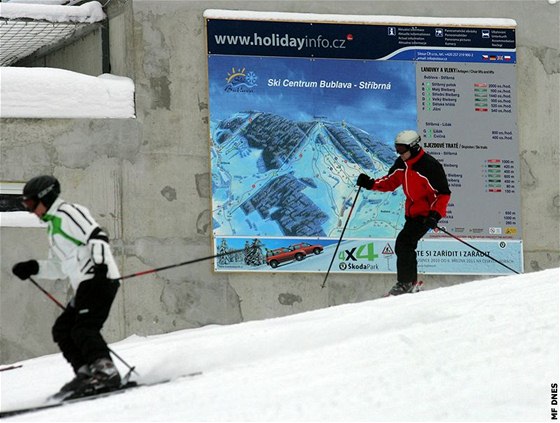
x=380 y=112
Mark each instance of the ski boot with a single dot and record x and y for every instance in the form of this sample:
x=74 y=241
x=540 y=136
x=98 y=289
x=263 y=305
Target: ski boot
x=82 y=375
x=105 y=375
x=405 y=288
x=104 y=378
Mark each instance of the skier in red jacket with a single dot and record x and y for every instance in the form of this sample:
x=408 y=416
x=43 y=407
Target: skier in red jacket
x=427 y=193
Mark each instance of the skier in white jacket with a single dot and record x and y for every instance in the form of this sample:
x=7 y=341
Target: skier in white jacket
x=80 y=251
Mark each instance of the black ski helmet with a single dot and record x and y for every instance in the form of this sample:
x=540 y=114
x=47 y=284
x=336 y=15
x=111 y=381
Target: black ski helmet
x=44 y=188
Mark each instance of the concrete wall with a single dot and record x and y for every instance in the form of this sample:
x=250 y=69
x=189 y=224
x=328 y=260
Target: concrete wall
x=147 y=180
x=88 y=48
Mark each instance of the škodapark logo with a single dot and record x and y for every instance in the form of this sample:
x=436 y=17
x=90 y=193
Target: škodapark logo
x=240 y=81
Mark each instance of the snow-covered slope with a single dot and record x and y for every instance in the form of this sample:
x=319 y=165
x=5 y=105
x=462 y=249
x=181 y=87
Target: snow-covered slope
x=480 y=351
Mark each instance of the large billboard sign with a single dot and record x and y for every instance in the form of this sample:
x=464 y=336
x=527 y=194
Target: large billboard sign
x=301 y=104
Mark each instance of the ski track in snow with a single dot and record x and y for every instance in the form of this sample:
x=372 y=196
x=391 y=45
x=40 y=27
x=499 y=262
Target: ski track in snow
x=479 y=351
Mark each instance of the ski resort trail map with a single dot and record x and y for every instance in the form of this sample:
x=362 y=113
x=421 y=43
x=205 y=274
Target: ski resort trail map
x=303 y=185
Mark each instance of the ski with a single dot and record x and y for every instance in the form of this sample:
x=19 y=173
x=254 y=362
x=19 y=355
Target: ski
x=123 y=388
x=3 y=369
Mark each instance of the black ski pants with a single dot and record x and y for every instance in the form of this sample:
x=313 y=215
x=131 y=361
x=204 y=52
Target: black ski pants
x=405 y=249
x=77 y=331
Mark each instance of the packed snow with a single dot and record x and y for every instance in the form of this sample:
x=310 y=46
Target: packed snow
x=59 y=93
x=480 y=351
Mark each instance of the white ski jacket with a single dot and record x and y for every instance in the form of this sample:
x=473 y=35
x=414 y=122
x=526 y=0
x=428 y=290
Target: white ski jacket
x=77 y=243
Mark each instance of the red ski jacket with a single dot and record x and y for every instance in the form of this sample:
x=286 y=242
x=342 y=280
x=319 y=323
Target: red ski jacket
x=424 y=184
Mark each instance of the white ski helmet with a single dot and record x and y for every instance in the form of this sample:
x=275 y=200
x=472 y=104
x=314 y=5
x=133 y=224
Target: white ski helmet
x=408 y=137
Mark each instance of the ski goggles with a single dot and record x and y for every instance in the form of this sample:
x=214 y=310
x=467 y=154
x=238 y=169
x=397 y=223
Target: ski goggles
x=30 y=204
x=401 y=148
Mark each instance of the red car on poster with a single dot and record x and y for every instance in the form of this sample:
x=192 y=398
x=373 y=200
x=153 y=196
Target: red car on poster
x=308 y=248
x=281 y=255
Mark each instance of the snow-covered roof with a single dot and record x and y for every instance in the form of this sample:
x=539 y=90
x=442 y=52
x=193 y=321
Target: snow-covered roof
x=358 y=19
x=27 y=28
x=59 y=2
x=86 y=13
x=59 y=93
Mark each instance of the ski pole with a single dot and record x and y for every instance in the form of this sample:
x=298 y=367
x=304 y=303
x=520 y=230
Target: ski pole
x=171 y=266
x=476 y=249
x=44 y=291
x=58 y=303
x=340 y=239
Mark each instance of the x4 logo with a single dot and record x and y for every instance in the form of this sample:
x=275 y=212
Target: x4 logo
x=364 y=252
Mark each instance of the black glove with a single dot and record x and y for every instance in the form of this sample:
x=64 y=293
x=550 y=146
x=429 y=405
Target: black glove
x=432 y=219
x=24 y=269
x=365 y=181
